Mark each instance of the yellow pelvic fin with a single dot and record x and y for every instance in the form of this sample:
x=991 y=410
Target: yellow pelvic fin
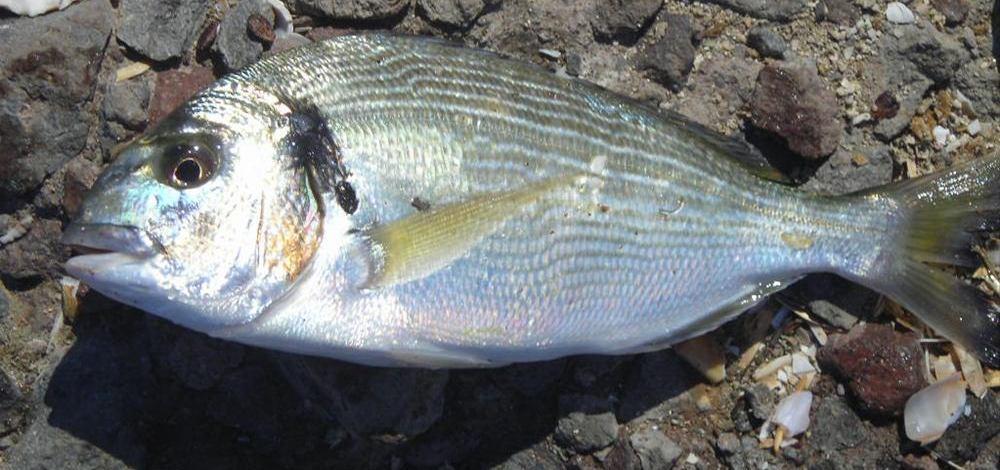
x=420 y=244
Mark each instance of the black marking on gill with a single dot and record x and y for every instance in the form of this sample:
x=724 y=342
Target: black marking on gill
x=419 y=204
x=313 y=147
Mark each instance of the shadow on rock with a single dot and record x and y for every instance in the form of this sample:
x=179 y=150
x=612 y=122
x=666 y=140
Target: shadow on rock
x=995 y=31
x=136 y=391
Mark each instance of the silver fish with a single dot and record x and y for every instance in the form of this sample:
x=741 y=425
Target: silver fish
x=403 y=201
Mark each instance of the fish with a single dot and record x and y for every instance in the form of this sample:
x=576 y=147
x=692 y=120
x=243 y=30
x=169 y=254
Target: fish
x=402 y=201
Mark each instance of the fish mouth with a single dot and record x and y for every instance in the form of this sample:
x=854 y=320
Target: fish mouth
x=109 y=241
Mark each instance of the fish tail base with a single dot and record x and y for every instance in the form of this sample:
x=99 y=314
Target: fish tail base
x=940 y=215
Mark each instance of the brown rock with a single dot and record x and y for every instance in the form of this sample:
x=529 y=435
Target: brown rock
x=791 y=102
x=882 y=368
x=174 y=87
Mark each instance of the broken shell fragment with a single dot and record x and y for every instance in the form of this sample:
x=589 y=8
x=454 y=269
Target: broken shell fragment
x=704 y=354
x=930 y=411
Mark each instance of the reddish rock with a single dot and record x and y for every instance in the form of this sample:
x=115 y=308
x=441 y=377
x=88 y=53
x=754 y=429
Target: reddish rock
x=791 y=102
x=174 y=87
x=881 y=367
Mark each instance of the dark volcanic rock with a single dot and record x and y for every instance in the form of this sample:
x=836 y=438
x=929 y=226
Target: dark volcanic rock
x=669 y=60
x=791 y=102
x=969 y=435
x=588 y=424
x=767 y=42
x=453 y=13
x=236 y=46
x=774 y=10
x=843 y=12
x=654 y=449
x=48 y=68
x=954 y=11
x=533 y=458
x=836 y=426
x=350 y=9
x=622 y=20
x=161 y=29
x=11 y=400
x=882 y=368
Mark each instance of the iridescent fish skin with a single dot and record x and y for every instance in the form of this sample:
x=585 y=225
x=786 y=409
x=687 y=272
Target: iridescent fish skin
x=555 y=217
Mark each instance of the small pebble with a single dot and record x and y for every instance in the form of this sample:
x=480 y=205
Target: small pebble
x=975 y=127
x=898 y=13
x=940 y=136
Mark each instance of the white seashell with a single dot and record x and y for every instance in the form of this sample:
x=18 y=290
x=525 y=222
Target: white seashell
x=897 y=13
x=930 y=411
x=792 y=413
x=34 y=7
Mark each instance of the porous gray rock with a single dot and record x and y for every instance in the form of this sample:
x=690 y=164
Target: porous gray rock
x=852 y=167
x=774 y=10
x=453 y=14
x=622 y=20
x=364 y=10
x=670 y=58
x=954 y=11
x=654 y=449
x=791 y=101
x=127 y=102
x=981 y=86
x=161 y=29
x=935 y=55
x=970 y=434
x=718 y=89
x=48 y=71
x=235 y=45
x=587 y=423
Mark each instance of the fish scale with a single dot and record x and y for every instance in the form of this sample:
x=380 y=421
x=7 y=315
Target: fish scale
x=563 y=219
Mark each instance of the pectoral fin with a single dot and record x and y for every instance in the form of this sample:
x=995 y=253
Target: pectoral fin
x=424 y=242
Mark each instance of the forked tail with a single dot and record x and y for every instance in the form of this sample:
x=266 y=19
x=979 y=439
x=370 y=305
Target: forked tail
x=940 y=214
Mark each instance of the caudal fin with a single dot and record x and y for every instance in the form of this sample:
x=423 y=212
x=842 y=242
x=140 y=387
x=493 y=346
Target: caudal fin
x=940 y=215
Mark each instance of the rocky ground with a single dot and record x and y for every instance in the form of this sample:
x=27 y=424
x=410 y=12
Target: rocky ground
x=839 y=94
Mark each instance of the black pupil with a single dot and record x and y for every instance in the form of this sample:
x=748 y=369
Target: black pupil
x=188 y=171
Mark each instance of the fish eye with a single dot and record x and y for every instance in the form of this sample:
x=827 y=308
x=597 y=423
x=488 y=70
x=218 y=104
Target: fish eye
x=188 y=165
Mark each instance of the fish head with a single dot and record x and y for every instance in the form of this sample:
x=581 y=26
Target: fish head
x=204 y=220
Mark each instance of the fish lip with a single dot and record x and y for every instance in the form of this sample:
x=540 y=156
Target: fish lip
x=97 y=239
